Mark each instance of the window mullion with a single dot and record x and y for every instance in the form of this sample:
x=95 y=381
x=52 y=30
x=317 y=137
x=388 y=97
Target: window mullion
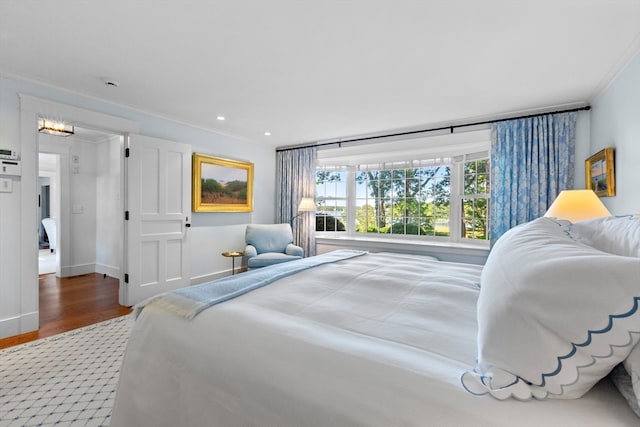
x=351 y=201
x=455 y=200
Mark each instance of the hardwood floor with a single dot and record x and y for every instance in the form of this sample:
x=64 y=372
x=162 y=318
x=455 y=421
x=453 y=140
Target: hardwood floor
x=71 y=303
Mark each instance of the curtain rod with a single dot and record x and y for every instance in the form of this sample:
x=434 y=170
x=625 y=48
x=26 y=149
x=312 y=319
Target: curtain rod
x=451 y=128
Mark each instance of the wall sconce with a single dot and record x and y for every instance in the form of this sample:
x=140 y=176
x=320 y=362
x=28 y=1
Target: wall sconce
x=576 y=206
x=55 y=128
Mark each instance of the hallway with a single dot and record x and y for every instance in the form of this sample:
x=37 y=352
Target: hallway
x=46 y=262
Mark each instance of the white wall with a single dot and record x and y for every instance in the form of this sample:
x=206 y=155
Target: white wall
x=583 y=139
x=80 y=249
x=108 y=233
x=9 y=258
x=615 y=122
x=212 y=233
x=76 y=231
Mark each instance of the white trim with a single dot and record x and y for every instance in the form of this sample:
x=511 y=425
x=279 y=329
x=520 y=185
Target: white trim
x=109 y=270
x=79 y=116
x=12 y=326
x=212 y=276
x=455 y=201
x=77 y=270
x=32 y=108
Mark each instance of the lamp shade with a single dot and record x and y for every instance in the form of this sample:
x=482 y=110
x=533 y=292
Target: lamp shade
x=307 y=205
x=576 y=206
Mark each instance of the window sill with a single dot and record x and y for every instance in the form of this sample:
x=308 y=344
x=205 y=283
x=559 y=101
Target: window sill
x=445 y=251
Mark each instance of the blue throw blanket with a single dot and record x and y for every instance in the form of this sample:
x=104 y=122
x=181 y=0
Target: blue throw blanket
x=188 y=302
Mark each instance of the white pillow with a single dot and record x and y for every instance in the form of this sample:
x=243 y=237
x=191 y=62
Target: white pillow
x=554 y=315
x=617 y=235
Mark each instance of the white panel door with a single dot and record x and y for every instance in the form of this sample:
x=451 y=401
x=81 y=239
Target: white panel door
x=158 y=175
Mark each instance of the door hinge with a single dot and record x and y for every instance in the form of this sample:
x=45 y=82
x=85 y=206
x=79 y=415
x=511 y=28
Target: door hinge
x=127 y=153
x=126 y=277
x=126 y=215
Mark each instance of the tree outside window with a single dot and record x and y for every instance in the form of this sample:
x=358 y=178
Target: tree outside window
x=411 y=201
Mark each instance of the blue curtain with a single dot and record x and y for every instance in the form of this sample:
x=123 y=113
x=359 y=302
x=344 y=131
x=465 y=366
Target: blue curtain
x=532 y=160
x=296 y=178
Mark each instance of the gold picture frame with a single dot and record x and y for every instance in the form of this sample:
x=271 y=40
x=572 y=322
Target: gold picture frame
x=599 y=173
x=221 y=185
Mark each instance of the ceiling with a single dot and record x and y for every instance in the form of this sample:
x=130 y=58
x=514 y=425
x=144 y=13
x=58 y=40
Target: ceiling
x=309 y=70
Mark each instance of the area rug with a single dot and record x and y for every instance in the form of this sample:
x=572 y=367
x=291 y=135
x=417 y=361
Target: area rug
x=68 y=379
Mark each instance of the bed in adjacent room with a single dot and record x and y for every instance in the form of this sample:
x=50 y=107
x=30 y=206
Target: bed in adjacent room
x=366 y=339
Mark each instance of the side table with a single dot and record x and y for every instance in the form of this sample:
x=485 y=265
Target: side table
x=233 y=255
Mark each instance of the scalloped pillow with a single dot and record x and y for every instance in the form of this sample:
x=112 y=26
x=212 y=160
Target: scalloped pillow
x=554 y=315
x=618 y=235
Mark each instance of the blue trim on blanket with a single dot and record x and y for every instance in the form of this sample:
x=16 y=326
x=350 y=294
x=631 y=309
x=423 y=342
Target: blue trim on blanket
x=189 y=302
x=485 y=380
x=590 y=333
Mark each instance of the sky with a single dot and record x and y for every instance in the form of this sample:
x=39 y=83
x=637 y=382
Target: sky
x=222 y=173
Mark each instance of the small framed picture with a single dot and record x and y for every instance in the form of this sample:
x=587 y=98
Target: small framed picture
x=599 y=173
x=221 y=185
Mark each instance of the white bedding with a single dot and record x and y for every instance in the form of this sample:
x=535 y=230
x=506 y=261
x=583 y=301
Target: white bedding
x=378 y=340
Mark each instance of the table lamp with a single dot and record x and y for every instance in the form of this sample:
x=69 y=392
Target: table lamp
x=576 y=206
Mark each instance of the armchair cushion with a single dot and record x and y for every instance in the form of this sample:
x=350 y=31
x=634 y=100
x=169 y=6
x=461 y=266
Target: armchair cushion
x=269 y=258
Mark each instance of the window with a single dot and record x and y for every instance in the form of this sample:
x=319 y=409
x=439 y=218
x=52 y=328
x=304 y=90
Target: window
x=445 y=197
x=475 y=201
x=331 y=199
x=402 y=201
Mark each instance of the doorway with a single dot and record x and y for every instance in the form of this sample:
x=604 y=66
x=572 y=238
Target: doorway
x=33 y=108
x=79 y=188
x=48 y=212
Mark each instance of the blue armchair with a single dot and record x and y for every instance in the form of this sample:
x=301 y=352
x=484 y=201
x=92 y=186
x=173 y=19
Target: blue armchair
x=269 y=244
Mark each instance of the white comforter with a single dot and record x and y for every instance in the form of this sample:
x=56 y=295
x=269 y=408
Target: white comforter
x=378 y=340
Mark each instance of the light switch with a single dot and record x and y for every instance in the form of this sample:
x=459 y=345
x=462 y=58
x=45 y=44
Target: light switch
x=6 y=185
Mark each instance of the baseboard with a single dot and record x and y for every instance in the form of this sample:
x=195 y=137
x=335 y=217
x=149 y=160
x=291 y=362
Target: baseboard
x=9 y=327
x=77 y=270
x=209 y=277
x=109 y=270
x=29 y=322
x=19 y=325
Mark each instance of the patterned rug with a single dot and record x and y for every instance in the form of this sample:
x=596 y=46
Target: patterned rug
x=68 y=379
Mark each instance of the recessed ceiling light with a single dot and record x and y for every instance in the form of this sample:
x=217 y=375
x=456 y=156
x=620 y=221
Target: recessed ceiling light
x=221 y=118
x=267 y=133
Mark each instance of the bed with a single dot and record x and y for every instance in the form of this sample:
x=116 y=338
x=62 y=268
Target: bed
x=370 y=339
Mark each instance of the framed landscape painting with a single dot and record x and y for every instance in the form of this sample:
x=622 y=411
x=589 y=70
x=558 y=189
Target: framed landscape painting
x=221 y=185
x=599 y=173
